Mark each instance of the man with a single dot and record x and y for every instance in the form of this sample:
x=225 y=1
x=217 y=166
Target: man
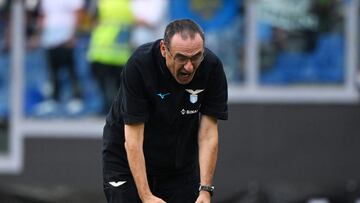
x=58 y=23
x=161 y=131
x=110 y=47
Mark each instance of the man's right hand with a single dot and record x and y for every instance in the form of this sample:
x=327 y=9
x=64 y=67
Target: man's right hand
x=153 y=199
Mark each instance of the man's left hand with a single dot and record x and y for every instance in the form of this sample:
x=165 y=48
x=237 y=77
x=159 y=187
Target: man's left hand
x=204 y=197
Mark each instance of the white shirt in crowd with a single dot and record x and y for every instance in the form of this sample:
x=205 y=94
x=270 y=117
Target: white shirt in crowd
x=154 y=13
x=59 y=20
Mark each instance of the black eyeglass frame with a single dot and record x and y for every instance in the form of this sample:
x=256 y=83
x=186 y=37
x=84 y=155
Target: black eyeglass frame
x=184 y=59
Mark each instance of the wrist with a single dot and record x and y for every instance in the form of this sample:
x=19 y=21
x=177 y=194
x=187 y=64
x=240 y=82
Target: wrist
x=145 y=195
x=209 y=189
x=205 y=194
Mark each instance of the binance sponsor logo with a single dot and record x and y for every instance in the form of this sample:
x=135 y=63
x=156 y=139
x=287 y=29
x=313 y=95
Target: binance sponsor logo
x=183 y=111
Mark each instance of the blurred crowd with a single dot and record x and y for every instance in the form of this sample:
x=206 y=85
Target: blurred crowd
x=302 y=42
x=75 y=49
x=72 y=45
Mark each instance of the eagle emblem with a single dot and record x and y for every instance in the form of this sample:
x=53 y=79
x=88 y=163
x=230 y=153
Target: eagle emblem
x=194 y=94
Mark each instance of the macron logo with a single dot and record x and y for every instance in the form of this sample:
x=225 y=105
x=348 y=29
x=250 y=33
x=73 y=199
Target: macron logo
x=162 y=96
x=117 y=184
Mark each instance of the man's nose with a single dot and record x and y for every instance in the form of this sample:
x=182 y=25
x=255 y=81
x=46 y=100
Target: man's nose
x=189 y=66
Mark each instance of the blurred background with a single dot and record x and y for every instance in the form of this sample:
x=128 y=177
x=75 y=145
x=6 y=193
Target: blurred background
x=293 y=75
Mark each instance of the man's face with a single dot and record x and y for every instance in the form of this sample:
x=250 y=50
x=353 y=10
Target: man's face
x=183 y=57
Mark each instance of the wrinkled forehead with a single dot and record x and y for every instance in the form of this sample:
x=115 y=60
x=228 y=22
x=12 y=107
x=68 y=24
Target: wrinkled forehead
x=186 y=43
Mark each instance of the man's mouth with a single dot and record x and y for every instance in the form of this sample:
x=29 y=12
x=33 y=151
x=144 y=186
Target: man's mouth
x=185 y=74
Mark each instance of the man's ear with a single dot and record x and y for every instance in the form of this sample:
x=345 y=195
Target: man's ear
x=162 y=48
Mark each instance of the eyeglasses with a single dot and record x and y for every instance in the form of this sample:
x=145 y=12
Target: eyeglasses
x=181 y=59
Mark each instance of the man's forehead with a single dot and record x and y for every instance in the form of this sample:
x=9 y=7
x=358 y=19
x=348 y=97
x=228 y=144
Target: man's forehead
x=187 y=44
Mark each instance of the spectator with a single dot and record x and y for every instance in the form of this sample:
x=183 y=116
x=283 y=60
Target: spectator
x=151 y=16
x=110 y=46
x=58 y=24
x=4 y=25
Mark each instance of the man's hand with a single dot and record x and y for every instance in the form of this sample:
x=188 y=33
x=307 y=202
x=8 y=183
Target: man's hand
x=204 y=197
x=152 y=199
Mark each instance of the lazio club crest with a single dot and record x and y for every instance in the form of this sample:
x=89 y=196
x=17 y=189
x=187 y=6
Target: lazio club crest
x=194 y=95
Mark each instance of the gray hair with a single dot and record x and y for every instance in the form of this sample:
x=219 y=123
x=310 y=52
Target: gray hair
x=186 y=28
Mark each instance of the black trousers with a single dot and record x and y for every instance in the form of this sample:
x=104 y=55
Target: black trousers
x=172 y=189
x=62 y=57
x=108 y=79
